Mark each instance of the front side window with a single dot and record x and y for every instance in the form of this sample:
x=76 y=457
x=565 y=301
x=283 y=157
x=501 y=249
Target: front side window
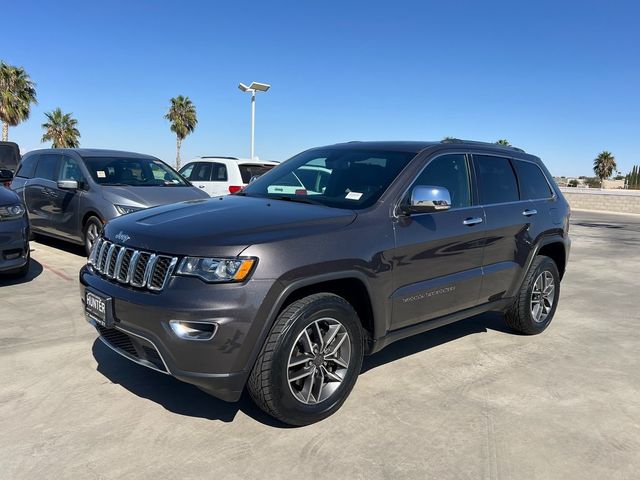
x=533 y=183
x=351 y=178
x=47 y=167
x=132 y=172
x=70 y=170
x=201 y=172
x=450 y=172
x=496 y=180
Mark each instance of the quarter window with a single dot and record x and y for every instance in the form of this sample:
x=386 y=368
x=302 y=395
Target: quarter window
x=533 y=183
x=496 y=181
x=46 y=169
x=450 y=172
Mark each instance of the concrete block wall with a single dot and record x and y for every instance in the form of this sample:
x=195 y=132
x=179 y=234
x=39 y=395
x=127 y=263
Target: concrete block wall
x=621 y=201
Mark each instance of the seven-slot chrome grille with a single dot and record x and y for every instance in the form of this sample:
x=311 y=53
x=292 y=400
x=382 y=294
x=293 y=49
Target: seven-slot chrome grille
x=137 y=268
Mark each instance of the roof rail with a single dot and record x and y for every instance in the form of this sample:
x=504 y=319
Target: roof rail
x=220 y=156
x=475 y=142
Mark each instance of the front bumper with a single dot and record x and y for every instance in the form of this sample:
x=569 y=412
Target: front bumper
x=142 y=332
x=14 y=244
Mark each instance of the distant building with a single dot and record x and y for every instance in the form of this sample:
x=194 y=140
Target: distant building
x=613 y=184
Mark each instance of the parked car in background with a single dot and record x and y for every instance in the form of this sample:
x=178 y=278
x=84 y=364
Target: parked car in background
x=285 y=292
x=14 y=235
x=223 y=175
x=9 y=159
x=71 y=193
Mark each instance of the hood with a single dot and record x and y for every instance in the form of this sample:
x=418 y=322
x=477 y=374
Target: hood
x=150 y=196
x=8 y=197
x=223 y=225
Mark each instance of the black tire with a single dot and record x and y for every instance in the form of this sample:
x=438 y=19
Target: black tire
x=268 y=383
x=519 y=316
x=88 y=232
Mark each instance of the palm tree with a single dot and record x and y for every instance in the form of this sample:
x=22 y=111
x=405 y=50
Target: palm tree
x=17 y=93
x=604 y=165
x=182 y=115
x=504 y=142
x=61 y=129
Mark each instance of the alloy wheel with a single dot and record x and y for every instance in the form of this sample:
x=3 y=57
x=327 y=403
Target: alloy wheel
x=542 y=296
x=318 y=361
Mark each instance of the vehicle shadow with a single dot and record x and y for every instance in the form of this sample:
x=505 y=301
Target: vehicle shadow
x=35 y=269
x=438 y=336
x=60 y=245
x=184 y=399
x=176 y=396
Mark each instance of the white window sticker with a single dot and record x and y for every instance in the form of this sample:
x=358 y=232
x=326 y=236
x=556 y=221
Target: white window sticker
x=353 y=196
x=101 y=174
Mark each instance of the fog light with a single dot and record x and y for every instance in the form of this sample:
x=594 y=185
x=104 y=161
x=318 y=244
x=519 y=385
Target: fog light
x=193 y=330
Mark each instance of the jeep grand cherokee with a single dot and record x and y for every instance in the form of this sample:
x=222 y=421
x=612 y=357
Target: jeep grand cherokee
x=283 y=291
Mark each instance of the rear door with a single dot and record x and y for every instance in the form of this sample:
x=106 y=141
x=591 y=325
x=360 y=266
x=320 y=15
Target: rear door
x=438 y=256
x=39 y=190
x=509 y=239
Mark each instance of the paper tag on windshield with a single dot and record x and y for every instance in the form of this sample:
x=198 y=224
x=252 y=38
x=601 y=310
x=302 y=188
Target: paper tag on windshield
x=101 y=174
x=353 y=196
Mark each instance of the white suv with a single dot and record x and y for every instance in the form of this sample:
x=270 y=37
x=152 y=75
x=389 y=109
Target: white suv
x=223 y=175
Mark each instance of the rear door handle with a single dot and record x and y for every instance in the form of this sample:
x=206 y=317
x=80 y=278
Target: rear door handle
x=472 y=221
x=529 y=212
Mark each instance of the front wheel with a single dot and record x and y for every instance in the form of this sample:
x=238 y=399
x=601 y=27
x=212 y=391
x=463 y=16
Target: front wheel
x=91 y=232
x=310 y=361
x=533 y=309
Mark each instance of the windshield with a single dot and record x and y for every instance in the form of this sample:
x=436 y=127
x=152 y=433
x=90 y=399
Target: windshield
x=342 y=178
x=133 y=172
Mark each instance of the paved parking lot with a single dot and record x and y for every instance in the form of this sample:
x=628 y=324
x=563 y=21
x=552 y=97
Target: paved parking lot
x=469 y=400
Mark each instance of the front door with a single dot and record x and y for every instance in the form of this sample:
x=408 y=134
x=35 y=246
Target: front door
x=65 y=208
x=438 y=256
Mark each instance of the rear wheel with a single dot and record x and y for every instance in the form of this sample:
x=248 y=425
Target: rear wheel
x=91 y=232
x=310 y=361
x=533 y=310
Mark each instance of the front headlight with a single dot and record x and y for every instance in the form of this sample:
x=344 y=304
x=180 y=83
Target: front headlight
x=126 y=209
x=11 y=212
x=216 y=269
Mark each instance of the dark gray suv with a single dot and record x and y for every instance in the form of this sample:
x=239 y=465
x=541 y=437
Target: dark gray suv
x=70 y=193
x=285 y=292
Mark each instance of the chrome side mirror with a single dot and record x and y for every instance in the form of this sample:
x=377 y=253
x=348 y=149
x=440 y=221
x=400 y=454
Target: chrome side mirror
x=429 y=199
x=68 y=185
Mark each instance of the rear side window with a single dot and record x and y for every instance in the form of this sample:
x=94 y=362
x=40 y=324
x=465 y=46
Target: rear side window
x=250 y=171
x=201 y=172
x=533 y=183
x=496 y=180
x=47 y=167
x=27 y=167
x=218 y=172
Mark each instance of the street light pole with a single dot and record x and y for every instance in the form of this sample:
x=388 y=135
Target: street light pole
x=252 y=89
x=253 y=122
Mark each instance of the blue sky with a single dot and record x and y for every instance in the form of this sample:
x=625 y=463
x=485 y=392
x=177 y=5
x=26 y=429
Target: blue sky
x=560 y=79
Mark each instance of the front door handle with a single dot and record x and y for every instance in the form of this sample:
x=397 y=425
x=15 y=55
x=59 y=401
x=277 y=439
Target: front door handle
x=200 y=186
x=530 y=212
x=472 y=221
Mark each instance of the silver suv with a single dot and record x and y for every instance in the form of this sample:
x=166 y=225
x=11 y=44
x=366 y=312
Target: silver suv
x=72 y=193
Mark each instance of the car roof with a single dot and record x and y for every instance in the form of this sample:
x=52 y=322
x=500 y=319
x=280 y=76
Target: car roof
x=418 y=146
x=234 y=159
x=95 y=152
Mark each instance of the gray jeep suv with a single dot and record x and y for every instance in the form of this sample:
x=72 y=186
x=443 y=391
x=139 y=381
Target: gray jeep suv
x=285 y=292
x=70 y=193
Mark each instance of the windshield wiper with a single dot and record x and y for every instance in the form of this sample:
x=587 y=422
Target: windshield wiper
x=298 y=199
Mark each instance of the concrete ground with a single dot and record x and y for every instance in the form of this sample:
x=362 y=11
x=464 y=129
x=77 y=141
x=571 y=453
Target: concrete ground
x=469 y=400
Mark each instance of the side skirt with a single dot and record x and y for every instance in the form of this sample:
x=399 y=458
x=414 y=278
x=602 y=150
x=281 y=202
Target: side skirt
x=395 y=335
